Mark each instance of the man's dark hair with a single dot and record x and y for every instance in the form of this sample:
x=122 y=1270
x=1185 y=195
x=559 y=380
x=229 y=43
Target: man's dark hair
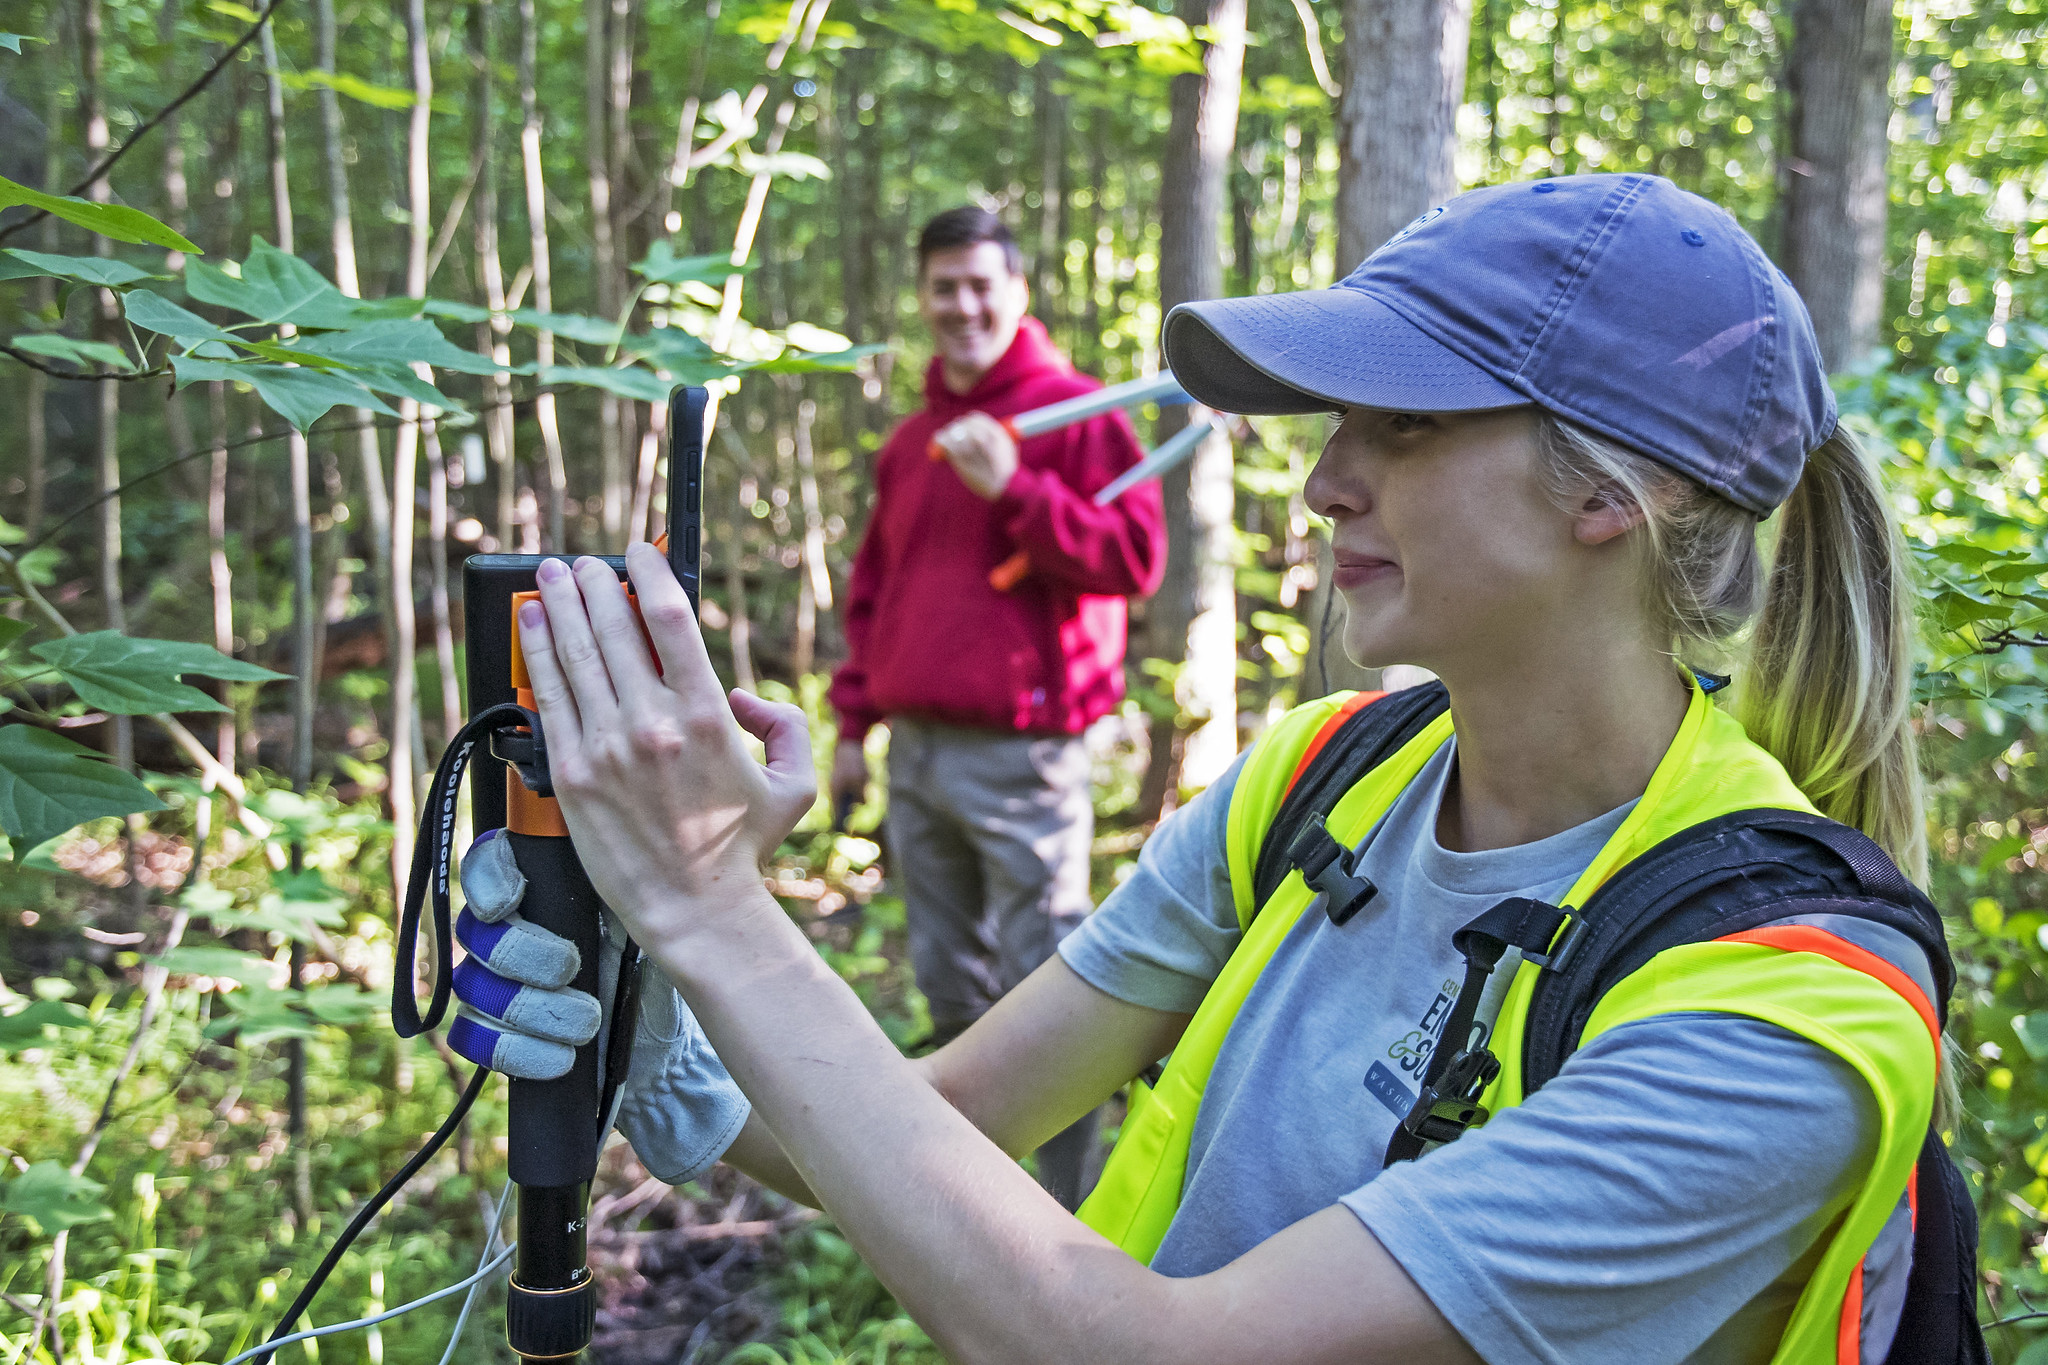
x=966 y=226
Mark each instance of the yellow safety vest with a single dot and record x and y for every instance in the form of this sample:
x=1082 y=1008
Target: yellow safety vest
x=1814 y=983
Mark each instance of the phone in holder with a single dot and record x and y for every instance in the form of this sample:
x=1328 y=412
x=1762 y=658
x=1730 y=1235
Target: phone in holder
x=555 y=1128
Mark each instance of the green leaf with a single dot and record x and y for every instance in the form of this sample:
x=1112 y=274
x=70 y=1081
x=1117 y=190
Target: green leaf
x=117 y=221
x=49 y=785
x=644 y=385
x=153 y=312
x=10 y=631
x=216 y=961
x=86 y=269
x=78 y=351
x=54 y=1199
x=573 y=326
x=132 y=676
x=342 y=1005
x=663 y=266
x=1954 y=610
x=30 y=1027
x=355 y=87
x=261 y=1014
x=400 y=342
x=300 y=396
x=13 y=41
x=794 y=361
x=2033 y=1032
x=277 y=287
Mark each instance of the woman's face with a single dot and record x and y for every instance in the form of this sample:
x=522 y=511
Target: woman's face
x=1449 y=552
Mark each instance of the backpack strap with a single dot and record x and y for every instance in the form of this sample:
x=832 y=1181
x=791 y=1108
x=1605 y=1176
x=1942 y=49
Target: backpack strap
x=1361 y=735
x=1729 y=875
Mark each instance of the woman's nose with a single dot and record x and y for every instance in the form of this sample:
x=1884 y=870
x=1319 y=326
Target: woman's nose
x=1332 y=490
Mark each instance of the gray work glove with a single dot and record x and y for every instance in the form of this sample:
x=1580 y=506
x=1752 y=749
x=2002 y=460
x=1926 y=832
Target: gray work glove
x=678 y=1106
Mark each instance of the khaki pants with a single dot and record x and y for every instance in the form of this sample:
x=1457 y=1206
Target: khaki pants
x=989 y=837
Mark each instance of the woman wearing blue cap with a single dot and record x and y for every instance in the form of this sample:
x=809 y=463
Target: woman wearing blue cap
x=1563 y=414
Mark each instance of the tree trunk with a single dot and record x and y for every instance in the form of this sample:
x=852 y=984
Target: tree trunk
x=596 y=109
x=1194 y=616
x=1397 y=119
x=219 y=572
x=543 y=275
x=405 y=472
x=1835 y=192
x=493 y=337
x=1397 y=138
x=1049 y=267
x=437 y=579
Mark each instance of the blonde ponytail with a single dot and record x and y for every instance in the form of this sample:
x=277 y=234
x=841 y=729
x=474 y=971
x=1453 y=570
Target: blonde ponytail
x=1825 y=682
x=1829 y=689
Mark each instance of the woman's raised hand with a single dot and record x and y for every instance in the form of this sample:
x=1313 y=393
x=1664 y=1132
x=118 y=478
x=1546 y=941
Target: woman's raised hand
x=671 y=814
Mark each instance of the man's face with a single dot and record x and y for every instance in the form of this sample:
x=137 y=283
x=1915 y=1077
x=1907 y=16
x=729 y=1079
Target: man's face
x=973 y=302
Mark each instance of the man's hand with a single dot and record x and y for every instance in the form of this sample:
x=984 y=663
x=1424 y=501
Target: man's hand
x=981 y=452
x=849 y=773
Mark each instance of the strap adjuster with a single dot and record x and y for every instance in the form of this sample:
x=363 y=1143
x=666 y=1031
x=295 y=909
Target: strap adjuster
x=1563 y=948
x=1446 y=1109
x=1331 y=868
x=527 y=751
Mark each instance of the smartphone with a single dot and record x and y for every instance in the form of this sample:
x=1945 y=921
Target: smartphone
x=687 y=410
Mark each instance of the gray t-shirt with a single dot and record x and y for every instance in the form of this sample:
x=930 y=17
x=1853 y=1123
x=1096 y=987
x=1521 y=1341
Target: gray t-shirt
x=1661 y=1200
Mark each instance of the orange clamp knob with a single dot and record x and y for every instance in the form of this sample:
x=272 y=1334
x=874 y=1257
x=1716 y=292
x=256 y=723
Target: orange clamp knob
x=1010 y=572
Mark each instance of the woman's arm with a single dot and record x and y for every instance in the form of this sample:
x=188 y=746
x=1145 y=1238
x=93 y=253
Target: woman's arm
x=672 y=816
x=1050 y=1051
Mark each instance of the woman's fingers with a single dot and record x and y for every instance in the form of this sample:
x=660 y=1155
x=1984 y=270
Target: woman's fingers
x=671 y=624
x=544 y=672
x=786 y=736
x=575 y=644
x=616 y=627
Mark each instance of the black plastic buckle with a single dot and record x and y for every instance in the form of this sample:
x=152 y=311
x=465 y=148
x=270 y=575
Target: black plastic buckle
x=1563 y=949
x=1329 y=867
x=527 y=751
x=1445 y=1110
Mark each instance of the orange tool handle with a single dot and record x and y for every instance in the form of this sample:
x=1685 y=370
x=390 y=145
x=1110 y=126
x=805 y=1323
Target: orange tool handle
x=1010 y=572
x=935 y=451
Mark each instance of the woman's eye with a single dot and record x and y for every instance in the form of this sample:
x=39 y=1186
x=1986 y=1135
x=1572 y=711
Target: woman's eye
x=1406 y=422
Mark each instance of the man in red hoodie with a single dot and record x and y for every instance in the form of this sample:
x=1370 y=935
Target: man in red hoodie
x=987 y=690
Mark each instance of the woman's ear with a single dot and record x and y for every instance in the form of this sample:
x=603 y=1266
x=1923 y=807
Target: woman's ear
x=1602 y=517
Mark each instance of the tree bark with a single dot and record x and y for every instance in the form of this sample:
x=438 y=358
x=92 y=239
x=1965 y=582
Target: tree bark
x=494 y=336
x=598 y=152
x=1194 y=616
x=1397 y=119
x=1835 y=192
x=405 y=472
x=219 y=573
x=543 y=276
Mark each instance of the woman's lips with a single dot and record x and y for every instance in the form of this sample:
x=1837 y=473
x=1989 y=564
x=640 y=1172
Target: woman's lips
x=1355 y=571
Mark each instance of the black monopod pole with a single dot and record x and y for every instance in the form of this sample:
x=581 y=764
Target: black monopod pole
x=556 y=1128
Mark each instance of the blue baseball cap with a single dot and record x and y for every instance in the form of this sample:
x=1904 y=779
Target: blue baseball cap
x=1619 y=302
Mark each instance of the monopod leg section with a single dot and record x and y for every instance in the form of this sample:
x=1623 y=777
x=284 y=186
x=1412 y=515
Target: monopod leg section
x=553 y=1132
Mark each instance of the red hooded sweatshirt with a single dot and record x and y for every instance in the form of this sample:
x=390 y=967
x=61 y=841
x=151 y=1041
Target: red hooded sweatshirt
x=927 y=636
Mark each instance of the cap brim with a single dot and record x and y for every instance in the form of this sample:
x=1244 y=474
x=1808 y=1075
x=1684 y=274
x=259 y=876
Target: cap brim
x=1319 y=349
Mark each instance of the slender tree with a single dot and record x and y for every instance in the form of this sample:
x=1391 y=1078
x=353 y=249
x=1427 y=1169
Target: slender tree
x=493 y=336
x=1834 y=184
x=597 y=122
x=544 y=413
x=405 y=467
x=1194 y=615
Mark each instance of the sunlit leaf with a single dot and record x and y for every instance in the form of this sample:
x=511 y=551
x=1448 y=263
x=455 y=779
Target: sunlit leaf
x=662 y=266
x=85 y=269
x=573 y=326
x=30 y=1027
x=401 y=342
x=49 y=785
x=10 y=631
x=53 y=1199
x=300 y=396
x=794 y=361
x=13 y=41
x=76 y=350
x=117 y=221
x=354 y=87
x=154 y=313
x=206 y=959
x=277 y=287
x=627 y=383
x=132 y=676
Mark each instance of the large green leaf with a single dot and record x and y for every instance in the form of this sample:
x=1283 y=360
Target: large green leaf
x=133 y=676
x=277 y=287
x=644 y=385
x=153 y=312
x=300 y=396
x=85 y=269
x=117 y=221
x=13 y=41
x=794 y=361
x=208 y=959
x=11 y=630
x=400 y=342
x=54 y=1199
x=572 y=326
x=663 y=266
x=355 y=87
x=49 y=785
x=78 y=351
x=27 y=1028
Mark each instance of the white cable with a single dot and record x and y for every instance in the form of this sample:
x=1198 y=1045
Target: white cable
x=497 y=1263
x=490 y=1240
